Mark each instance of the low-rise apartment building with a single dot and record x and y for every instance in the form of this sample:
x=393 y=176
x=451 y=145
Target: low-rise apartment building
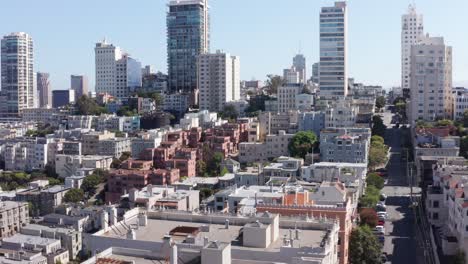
x=349 y=145
x=273 y=147
x=14 y=215
x=69 y=165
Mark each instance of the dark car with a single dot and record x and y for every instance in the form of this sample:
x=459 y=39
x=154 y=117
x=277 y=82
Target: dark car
x=384 y=257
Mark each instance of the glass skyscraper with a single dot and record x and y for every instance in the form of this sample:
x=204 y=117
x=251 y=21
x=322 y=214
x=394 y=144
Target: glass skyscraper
x=333 y=78
x=17 y=74
x=187 y=37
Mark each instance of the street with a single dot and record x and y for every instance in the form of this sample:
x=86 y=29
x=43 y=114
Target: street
x=400 y=243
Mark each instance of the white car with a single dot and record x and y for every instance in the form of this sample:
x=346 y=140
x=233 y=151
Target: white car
x=384 y=215
x=379 y=230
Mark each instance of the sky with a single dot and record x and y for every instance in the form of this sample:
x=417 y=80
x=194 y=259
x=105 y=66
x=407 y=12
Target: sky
x=266 y=34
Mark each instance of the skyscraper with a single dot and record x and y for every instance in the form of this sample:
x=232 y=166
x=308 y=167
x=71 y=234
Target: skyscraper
x=431 y=79
x=79 y=83
x=17 y=73
x=333 y=41
x=291 y=76
x=315 y=72
x=218 y=80
x=299 y=62
x=117 y=73
x=43 y=90
x=412 y=29
x=188 y=35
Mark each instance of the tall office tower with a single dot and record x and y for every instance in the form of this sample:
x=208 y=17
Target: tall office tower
x=188 y=35
x=218 y=80
x=79 y=83
x=299 y=62
x=411 y=30
x=43 y=90
x=291 y=76
x=116 y=72
x=315 y=72
x=333 y=41
x=431 y=79
x=147 y=70
x=17 y=73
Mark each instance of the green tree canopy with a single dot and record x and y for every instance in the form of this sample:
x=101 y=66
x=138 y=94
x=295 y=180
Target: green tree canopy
x=364 y=248
x=302 y=143
x=378 y=127
x=229 y=112
x=444 y=123
x=273 y=83
x=74 y=196
x=464 y=147
x=88 y=106
x=214 y=165
x=380 y=102
x=371 y=197
x=91 y=182
x=201 y=168
x=373 y=179
x=377 y=156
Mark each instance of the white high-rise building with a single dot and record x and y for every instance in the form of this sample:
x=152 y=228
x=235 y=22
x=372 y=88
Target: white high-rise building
x=218 y=80
x=333 y=41
x=431 y=79
x=412 y=29
x=116 y=72
x=299 y=62
x=291 y=76
x=17 y=59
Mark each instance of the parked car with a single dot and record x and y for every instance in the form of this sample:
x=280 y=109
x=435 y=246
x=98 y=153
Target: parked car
x=383 y=197
x=380 y=208
x=382 y=203
x=379 y=232
x=382 y=215
x=381 y=222
x=381 y=239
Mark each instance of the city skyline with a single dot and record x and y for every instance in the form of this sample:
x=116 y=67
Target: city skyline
x=254 y=40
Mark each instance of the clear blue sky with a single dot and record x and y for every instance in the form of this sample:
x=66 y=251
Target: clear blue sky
x=264 y=33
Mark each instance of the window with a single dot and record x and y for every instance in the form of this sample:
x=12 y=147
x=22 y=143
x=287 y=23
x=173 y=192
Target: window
x=435 y=216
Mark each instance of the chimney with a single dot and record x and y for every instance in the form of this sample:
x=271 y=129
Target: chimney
x=174 y=257
x=205 y=241
x=149 y=189
x=226 y=224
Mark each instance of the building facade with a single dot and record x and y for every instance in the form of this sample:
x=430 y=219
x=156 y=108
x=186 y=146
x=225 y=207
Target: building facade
x=412 y=29
x=188 y=35
x=218 y=80
x=431 y=80
x=17 y=68
x=299 y=62
x=79 y=83
x=43 y=90
x=333 y=42
x=62 y=98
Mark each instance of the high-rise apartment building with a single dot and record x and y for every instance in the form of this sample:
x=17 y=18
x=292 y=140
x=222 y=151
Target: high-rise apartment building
x=291 y=76
x=117 y=73
x=79 y=83
x=188 y=36
x=431 y=79
x=299 y=62
x=333 y=41
x=17 y=73
x=43 y=89
x=412 y=29
x=218 y=80
x=315 y=72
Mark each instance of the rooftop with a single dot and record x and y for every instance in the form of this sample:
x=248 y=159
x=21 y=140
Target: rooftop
x=35 y=240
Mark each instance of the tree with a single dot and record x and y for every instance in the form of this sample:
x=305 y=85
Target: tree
x=465 y=118
x=364 y=248
x=74 y=196
x=88 y=106
x=125 y=156
x=115 y=163
x=423 y=124
x=54 y=181
x=91 y=182
x=224 y=171
x=205 y=193
x=380 y=102
x=373 y=179
x=444 y=123
x=377 y=139
x=229 y=112
x=273 y=82
x=378 y=127
x=302 y=143
x=371 y=197
x=377 y=156
x=201 y=168
x=368 y=217
x=464 y=147
x=49 y=170
x=214 y=165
